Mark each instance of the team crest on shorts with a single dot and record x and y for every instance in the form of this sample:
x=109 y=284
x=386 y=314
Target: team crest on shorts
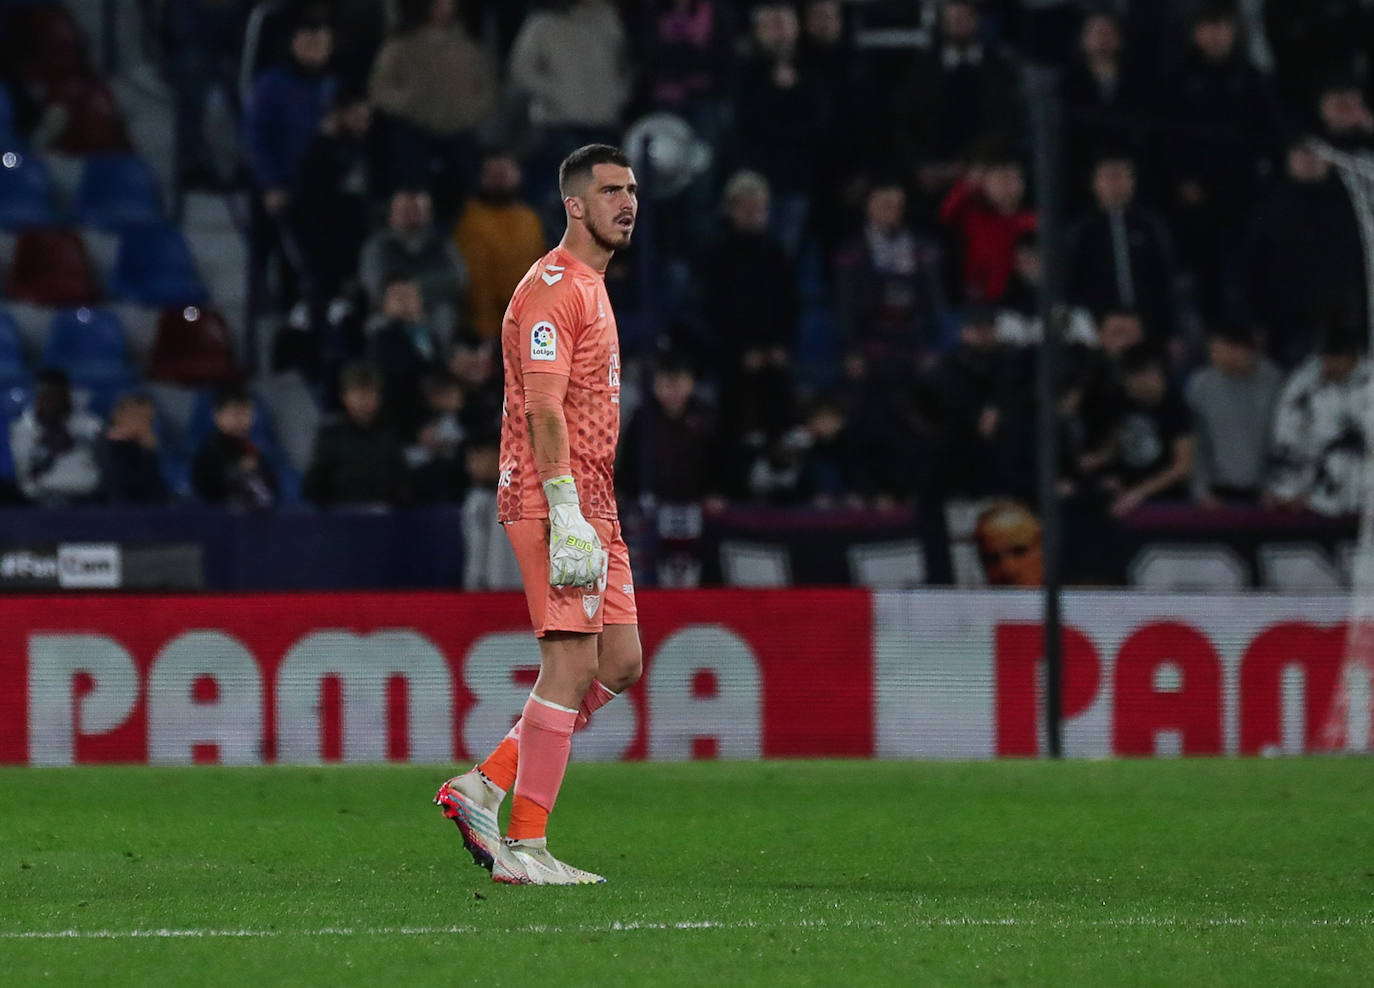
x=590 y=602
x=543 y=342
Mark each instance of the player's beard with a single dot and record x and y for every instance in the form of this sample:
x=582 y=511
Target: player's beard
x=618 y=239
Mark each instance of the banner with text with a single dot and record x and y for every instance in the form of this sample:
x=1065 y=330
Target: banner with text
x=438 y=677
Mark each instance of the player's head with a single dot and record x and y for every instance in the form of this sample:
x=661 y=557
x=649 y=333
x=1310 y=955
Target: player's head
x=600 y=194
x=1008 y=538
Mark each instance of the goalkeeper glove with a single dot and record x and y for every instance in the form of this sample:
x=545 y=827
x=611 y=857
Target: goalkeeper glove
x=576 y=558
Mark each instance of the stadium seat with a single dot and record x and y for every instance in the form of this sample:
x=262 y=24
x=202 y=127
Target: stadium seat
x=48 y=43
x=193 y=347
x=155 y=267
x=89 y=345
x=95 y=124
x=51 y=268
x=25 y=191
x=117 y=191
x=13 y=401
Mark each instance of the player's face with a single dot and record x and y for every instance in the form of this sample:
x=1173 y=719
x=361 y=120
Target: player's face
x=609 y=206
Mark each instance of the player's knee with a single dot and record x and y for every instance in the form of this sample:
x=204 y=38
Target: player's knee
x=621 y=668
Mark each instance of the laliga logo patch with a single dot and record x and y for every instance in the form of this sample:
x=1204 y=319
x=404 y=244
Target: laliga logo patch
x=543 y=342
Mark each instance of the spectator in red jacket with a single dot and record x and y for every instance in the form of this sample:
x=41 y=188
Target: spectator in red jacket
x=985 y=211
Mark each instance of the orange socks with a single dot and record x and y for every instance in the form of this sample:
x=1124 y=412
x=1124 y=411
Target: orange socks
x=499 y=768
x=545 y=744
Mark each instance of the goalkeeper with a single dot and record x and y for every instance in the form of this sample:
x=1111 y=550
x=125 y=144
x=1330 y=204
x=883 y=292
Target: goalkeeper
x=556 y=499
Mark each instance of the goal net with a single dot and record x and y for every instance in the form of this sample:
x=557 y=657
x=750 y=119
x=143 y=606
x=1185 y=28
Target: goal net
x=1349 y=725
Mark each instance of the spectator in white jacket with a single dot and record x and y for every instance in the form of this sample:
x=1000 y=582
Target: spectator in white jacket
x=54 y=446
x=1321 y=430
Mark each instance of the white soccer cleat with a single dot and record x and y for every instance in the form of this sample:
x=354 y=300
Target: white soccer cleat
x=470 y=802
x=528 y=862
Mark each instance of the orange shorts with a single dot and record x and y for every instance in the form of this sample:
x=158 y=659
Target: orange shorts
x=573 y=608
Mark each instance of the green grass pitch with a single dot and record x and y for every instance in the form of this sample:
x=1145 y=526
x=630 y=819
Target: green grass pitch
x=776 y=873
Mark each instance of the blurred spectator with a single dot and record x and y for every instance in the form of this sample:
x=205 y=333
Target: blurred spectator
x=688 y=59
x=1154 y=436
x=129 y=460
x=473 y=360
x=206 y=36
x=751 y=300
x=287 y=105
x=779 y=119
x=410 y=246
x=405 y=351
x=1220 y=117
x=1232 y=403
x=1018 y=314
x=668 y=450
x=956 y=93
x=488 y=559
x=971 y=400
x=357 y=460
x=499 y=236
x=435 y=457
x=1101 y=97
x=570 y=59
x=814 y=462
x=1320 y=440
x=889 y=292
x=1343 y=116
x=985 y=211
x=430 y=141
x=335 y=194
x=228 y=468
x=1008 y=537
x=1311 y=39
x=1303 y=257
x=54 y=446
x=1118 y=330
x=1121 y=255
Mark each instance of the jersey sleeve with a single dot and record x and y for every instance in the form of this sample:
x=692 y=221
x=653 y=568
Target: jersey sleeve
x=550 y=324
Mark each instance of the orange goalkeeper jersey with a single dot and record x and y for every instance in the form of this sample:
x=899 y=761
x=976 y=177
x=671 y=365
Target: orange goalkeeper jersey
x=559 y=321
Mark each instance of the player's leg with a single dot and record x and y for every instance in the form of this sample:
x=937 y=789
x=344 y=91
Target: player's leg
x=620 y=658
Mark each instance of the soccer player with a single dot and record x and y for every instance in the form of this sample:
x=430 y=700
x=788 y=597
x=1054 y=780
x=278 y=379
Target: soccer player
x=556 y=499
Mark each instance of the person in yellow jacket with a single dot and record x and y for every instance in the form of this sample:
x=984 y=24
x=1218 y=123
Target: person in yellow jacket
x=499 y=237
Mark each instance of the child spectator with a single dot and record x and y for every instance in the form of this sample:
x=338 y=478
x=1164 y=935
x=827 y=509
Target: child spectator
x=128 y=454
x=1018 y=315
x=356 y=460
x=1232 y=401
x=229 y=469
x=54 y=446
x=985 y=212
x=488 y=560
x=1154 y=436
x=666 y=454
x=435 y=458
x=475 y=363
x=1320 y=440
x=499 y=236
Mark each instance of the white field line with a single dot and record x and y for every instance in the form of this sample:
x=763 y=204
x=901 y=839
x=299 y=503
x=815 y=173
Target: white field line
x=916 y=923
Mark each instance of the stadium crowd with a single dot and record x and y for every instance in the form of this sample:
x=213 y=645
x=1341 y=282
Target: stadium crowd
x=844 y=302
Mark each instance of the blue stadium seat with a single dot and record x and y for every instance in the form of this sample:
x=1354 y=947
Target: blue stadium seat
x=13 y=401
x=117 y=191
x=154 y=266
x=25 y=191
x=89 y=345
x=11 y=346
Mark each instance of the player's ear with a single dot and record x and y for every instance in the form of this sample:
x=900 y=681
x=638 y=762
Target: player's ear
x=574 y=206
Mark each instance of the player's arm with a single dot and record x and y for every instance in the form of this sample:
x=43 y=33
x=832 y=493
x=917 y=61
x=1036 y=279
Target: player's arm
x=576 y=557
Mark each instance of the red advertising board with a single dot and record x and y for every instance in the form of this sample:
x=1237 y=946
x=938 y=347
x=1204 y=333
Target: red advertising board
x=432 y=677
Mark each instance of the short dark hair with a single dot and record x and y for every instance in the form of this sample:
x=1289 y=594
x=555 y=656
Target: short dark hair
x=578 y=166
x=1342 y=337
x=1212 y=11
x=54 y=377
x=232 y=394
x=360 y=374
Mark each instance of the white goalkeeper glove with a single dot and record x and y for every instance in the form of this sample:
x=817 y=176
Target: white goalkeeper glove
x=576 y=558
